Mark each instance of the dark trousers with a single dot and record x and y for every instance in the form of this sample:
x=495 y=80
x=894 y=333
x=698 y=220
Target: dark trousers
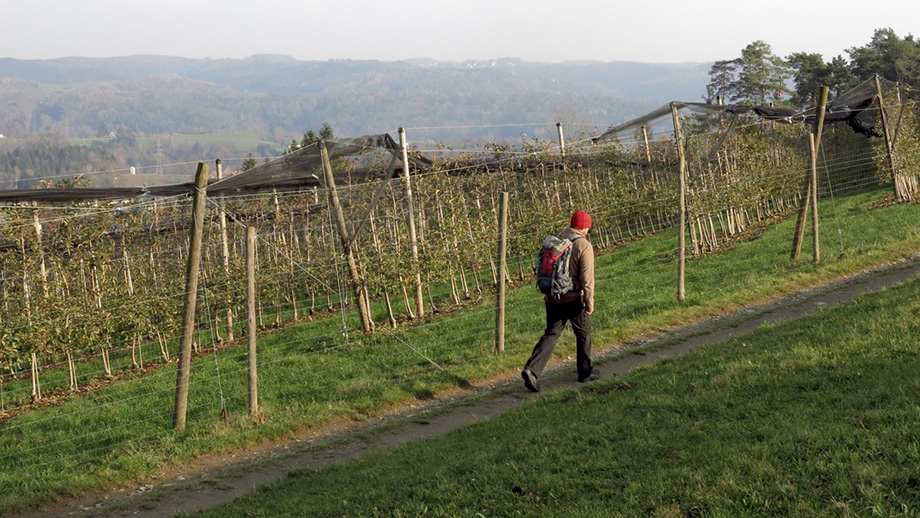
x=556 y=317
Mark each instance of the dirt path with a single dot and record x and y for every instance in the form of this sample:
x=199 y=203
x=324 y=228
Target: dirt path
x=222 y=480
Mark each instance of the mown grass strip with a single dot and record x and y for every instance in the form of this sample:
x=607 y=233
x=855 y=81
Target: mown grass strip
x=815 y=417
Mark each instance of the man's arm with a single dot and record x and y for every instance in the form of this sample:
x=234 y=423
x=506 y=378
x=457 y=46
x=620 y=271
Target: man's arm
x=587 y=276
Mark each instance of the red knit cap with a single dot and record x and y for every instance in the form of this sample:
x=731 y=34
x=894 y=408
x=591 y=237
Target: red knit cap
x=581 y=219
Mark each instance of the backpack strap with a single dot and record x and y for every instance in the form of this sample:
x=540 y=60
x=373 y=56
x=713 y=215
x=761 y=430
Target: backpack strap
x=577 y=235
x=575 y=281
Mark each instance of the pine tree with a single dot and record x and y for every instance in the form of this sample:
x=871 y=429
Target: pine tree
x=762 y=75
x=758 y=77
x=888 y=56
x=249 y=163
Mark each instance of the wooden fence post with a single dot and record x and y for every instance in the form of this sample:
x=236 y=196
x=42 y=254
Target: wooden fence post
x=251 y=320
x=681 y=238
x=502 y=278
x=191 y=298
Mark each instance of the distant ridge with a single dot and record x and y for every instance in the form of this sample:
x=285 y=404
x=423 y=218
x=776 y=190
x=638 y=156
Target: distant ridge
x=629 y=77
x=268 y=93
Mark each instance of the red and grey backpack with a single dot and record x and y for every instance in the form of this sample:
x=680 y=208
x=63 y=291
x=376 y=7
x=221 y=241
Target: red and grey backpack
x=552 y=268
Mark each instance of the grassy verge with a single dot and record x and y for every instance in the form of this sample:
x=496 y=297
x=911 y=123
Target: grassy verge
x=310 y=375
x=817 y=417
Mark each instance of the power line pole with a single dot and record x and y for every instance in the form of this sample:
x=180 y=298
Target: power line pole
x=159 y=155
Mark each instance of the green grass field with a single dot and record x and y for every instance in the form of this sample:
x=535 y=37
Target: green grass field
x=815 y=417
x=310 y=375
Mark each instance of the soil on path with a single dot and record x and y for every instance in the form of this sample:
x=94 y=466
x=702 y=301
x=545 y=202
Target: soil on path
x=219 y=480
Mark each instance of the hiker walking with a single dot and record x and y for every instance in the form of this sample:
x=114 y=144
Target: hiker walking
x=565 y=274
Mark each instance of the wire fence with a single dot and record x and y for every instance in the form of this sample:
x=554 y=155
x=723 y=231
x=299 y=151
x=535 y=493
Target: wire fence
x=304 y=245
x=91 y=294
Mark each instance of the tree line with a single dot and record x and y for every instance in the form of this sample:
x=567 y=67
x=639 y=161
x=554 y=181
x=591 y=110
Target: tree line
x=759 y=77
x=24 y=167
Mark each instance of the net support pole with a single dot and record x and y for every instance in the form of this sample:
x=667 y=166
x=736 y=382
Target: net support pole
x=413 y=240
x=820 y=109
x=889 y=141
x=681 y=236
x=561 y=144
x=648 y=149
x=809 y=195
x=813 y=193
x=225 y=247
x=366 y=323
x=37 y=223
x=191 y=298
x=253 y=384
x=799 y=236
x=502 y=278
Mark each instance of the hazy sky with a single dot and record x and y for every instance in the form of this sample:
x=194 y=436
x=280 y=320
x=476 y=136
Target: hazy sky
x=659 y=31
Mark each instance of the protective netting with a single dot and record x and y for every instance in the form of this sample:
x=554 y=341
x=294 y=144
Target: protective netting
x=857 y=108
x=296 y=170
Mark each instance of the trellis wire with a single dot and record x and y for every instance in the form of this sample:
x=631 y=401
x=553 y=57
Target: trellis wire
x=338 y=264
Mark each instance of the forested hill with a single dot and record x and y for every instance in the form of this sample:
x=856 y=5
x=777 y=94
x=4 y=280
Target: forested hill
x=278 y=95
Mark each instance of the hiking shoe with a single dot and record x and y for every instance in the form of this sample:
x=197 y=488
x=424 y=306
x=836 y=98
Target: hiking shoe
x=593 y=376
x=530 y=380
